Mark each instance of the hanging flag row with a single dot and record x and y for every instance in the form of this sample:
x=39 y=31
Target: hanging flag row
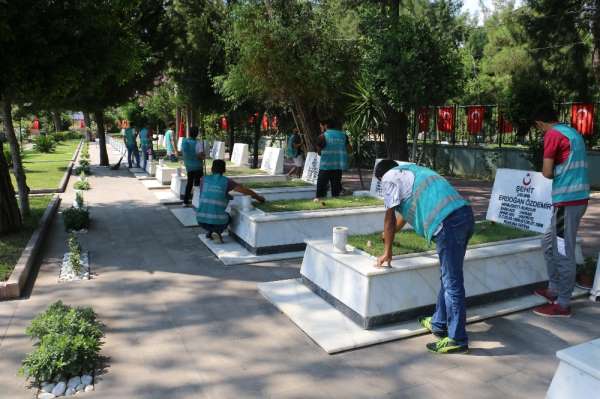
x=265 y=123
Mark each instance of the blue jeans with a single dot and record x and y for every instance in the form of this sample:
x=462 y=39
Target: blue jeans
x=133 y=151
x=451 y=243
x=144 y=156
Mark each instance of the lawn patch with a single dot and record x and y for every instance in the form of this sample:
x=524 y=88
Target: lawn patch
x=407 y=242
x=278 y=184
x=12 y=245
x=310 y=205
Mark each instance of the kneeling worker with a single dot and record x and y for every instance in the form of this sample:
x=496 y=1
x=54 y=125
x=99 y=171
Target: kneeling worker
x=214 y=197
x=419 y=196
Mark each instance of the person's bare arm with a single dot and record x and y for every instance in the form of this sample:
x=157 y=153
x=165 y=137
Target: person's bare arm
x=246 y=191
x=389 y=232
x=548 y=168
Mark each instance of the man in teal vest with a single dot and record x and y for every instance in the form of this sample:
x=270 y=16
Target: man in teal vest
x=193 y=156
x=565 y=162
x=214 y=198
x=294 y=151
x=419 y=196
x=333 y=146
x=132 y=149
x=170 y=143
x=146 y=145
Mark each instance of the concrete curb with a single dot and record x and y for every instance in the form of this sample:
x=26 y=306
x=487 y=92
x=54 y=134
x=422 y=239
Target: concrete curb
x=62 y=186
x=13 y=287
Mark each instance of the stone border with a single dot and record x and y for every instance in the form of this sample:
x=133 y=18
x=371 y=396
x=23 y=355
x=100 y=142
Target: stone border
x=62 y=186
x=12 y=288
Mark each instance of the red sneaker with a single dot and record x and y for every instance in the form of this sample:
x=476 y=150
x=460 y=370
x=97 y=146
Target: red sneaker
x=552 y=310
x=544 y=293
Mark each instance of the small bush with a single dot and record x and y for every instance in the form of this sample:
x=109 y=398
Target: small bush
x=75 y=253
x=59 y=136
x=70 y=135
x=82 y=184
x=76 y=219
x=8 y=157
x=69 y=343
x=44 y=144
x=79 y=199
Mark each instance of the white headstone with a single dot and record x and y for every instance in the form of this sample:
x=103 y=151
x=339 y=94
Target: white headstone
x=521 y=199
x=375 y=189
x=179 y=142
x=239 y=155
x=272 y=161
x=311 y=168
x=218 y=150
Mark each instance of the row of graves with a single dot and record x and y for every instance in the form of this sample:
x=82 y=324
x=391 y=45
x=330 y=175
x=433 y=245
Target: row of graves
x=341 y=300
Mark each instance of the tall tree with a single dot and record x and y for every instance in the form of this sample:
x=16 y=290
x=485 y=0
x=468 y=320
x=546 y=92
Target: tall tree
x=10 y=218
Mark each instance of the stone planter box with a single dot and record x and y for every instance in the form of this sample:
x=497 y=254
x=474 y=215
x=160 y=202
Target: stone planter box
x=151 y=167
x=267 y=233
x=164 y=174
x=373 y=297
x=259 y=178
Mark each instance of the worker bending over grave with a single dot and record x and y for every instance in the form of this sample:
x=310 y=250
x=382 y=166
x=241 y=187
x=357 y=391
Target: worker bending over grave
x=565 y=162
x=419 y=196
x=193 y=159
x=214 y=198
x=333 y=146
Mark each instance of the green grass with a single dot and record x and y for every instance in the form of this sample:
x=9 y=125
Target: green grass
x=11 y=245
x=46 y=170
x=277 y=184
x=407 y=242
x=310 y=205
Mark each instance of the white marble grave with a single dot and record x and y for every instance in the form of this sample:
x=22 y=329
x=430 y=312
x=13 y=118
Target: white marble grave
x=272 y=161
x=164 y=174
x=178 y=183
x=166 y=197
x=218 y=150
x=310 y=173
x=270 y=194
x=263 y=233
x=373 y=296
x=151 y=167
x=239 y=156
x=186 y=216
x=154 y=185
x=578 y=373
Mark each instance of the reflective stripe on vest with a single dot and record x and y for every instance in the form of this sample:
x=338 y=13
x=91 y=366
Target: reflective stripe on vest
x=213 y=200
x=431 y=201
x=571 y=182
x=334 y=156
x=188 y=148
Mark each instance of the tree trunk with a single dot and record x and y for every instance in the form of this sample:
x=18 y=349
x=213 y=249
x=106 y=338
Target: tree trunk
x=88 y=126
x=231 y=136
x=56 y=119
x=99 y=116
x=391 y=133
x=10 y=217
x=306 y=130
x=16 y=158
x=256 y=140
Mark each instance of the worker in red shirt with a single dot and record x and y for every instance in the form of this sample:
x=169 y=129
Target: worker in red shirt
x=565 y=162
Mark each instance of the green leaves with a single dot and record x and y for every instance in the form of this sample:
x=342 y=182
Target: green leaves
x=69 y=343
x=44 y=144
x=76 y=218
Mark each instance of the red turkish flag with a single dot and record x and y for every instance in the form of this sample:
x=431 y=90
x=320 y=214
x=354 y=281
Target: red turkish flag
x=274 y=122
x=81 y=124
x=265 y=122
x=223 y=123
x=181 y=130
x=423 y=118
x=475 y=118
x=445 y=121
x=504 y=125
x=582 y=118
x=36 y=124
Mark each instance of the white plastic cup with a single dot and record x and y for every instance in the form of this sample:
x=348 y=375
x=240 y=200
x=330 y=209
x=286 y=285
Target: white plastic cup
x=340 y=239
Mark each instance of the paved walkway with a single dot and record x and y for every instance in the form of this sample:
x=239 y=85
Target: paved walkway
x=182 y=325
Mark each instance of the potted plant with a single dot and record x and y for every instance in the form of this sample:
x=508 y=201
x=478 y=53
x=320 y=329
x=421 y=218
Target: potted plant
x=585 y=273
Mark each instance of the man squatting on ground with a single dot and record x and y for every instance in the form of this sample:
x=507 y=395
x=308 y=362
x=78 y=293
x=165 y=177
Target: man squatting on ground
x=419 y=196
x=193 y=159
x=565 y=162
x=214 y=198
x=333 y=146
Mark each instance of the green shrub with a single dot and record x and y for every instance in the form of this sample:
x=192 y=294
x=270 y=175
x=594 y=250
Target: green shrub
x=8 y=157
x=79 y=199
x=70 y=135
x=44 y=144
x=82 y=184
x=69 y=343
x=76 y=219
x=59 y=136
x=75 y=253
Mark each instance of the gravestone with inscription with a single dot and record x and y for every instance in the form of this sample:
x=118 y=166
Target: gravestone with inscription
x=239 y=156
x=218 y=150
x=272 y=161
x=522 y=199
x=375 y=190
x=311 y=168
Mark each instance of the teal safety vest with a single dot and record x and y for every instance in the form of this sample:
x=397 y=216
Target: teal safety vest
x=144 y=138
x=188 y=148
x=213 y=200
x=335 y=155
x=291 y=152
x=130 y=137
x=432 y=200
x=571 y=182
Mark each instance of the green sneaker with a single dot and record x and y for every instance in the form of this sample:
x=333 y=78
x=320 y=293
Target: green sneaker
x=447 y=345
x=426 y=323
